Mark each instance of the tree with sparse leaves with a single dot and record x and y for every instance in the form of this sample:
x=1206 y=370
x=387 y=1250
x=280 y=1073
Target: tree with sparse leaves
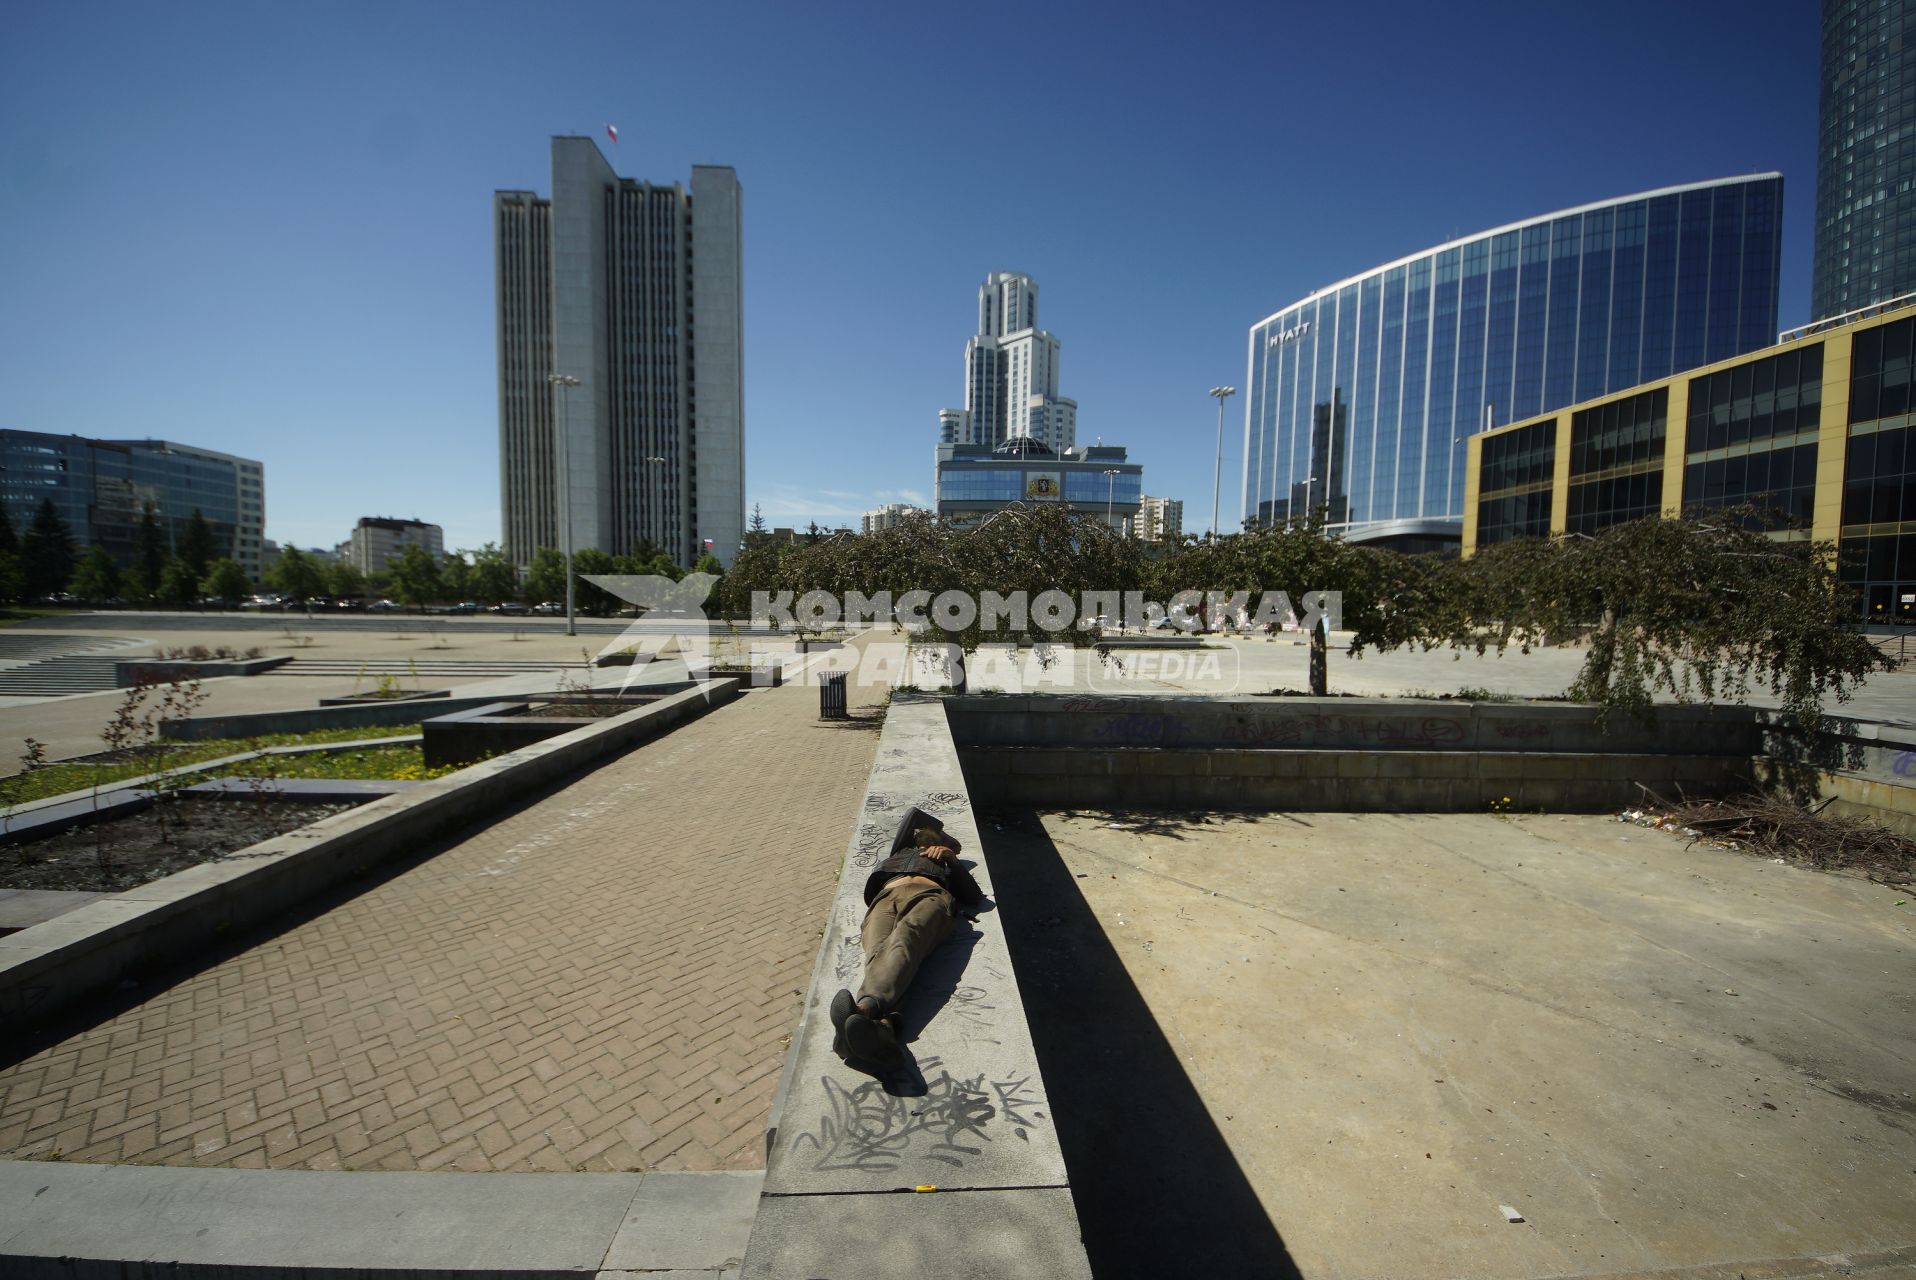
x=152 y=552
x=492 y=579
x=9 y=539
x=415 y=576
x=224 y=581
x=545 y=577
x=1705 y=607
x=179 y=585
x=97 y=580
x=46 y=553
x=455 y=576
x=1385 y=600
x=344 y=581
x=588 y=598
x=297 y=575
x=198 y=547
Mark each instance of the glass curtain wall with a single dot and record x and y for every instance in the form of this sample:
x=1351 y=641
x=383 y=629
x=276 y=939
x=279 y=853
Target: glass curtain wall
x=1361 y=396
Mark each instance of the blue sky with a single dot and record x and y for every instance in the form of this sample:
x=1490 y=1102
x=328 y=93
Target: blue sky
x=265 y=228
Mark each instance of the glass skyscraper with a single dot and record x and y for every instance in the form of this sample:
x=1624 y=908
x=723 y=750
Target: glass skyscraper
x=1361 y=396
x=1865 y=156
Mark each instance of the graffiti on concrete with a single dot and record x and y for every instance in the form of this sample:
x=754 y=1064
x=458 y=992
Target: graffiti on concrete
x=1521 y=732
x=1162 y=731
x=1904 y=765
x=872 y=1131
x=1422 y=731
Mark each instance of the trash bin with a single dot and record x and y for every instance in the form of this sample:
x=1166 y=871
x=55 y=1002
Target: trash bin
x=831 y=696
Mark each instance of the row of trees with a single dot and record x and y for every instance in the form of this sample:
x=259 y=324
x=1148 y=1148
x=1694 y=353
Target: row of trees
x=1703 y=607
x=46 y=561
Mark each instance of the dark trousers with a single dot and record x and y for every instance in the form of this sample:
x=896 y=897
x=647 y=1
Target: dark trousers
x=905 y=924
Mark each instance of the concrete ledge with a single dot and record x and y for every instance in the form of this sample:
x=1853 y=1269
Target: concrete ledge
x=52 y=967
x=132 y=1222
x=1431 y=781
x=971 y=1116
x=498 y=727
x=358 y=716
x=131 y=671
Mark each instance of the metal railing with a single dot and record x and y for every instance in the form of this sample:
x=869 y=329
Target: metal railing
x=1848 y=317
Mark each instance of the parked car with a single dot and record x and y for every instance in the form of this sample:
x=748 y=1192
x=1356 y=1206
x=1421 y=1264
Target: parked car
x=382 y=606
x=466 y=607
x=354 y=603
x=548 y=607
x=509 y=607
x=264 y=602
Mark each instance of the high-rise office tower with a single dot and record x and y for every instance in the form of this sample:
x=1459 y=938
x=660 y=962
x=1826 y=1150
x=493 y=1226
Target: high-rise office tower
x=1011 y=373
x=1865 y=156
x=633 y=290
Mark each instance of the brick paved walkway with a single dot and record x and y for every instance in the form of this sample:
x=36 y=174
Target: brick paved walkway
x=603 y=981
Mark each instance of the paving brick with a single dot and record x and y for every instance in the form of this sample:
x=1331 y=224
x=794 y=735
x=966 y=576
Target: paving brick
x=604 y=979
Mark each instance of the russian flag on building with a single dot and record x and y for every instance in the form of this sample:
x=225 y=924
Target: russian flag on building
x=612 y=132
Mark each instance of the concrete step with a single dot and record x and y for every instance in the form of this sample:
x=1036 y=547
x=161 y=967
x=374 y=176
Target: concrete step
x=54 y=677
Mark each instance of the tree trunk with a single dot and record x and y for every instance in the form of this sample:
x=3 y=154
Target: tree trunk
x=1593 y=682
x=1320 y=660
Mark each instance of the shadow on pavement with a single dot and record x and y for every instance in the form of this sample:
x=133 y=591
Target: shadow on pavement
x=1158 y=1191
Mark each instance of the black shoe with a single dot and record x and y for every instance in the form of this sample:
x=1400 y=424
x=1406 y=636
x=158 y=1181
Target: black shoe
x=871 y=1040
x=843 y=1006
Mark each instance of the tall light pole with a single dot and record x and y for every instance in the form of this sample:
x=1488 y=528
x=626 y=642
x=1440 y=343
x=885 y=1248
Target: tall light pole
x=1217 y=470
x=565 y=382
x=1111 y=475
x=1308 y=482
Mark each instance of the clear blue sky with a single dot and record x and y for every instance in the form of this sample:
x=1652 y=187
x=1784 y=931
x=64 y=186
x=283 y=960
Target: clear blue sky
x=265 y=228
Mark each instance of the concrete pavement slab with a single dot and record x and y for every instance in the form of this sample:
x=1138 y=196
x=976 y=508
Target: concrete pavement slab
x=982 y=1235
x=687 y=1222
x=306 y=1223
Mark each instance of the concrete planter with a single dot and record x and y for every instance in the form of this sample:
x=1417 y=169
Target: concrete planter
x=132 y=671
x=376 y=699
x=51 y=967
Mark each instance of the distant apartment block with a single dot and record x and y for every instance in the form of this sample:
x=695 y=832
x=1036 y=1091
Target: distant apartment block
x=378 y=540
x=102 y=489
x=1159 y=519
x=892 y=513
x=634 y=290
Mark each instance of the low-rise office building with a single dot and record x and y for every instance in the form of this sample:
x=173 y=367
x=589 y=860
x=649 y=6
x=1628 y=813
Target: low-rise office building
x=1819 y=430
x=974 y=480
x=102 y=489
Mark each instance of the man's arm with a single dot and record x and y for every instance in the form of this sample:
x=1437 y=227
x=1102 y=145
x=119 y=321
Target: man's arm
x=962 y=886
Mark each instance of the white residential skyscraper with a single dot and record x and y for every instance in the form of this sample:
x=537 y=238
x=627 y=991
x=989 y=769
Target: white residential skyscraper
x=1011 y=373
x=602 y=284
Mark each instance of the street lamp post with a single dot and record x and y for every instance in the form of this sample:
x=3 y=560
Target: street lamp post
x=565 y=382
x=1308 y=482
x=1217 y=470
x=1111 y=475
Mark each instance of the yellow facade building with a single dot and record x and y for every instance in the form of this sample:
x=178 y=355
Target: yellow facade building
x=1820 y=429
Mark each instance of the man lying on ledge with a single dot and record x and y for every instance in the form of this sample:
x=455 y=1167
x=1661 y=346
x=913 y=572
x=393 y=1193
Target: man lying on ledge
x=911 y=900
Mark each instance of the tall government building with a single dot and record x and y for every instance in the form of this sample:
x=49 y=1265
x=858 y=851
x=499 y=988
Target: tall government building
x=1361 y=396
x=1865 y=157
x=635 y=290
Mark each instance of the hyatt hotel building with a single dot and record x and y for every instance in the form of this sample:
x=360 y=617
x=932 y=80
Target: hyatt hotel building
x=1361 y=396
